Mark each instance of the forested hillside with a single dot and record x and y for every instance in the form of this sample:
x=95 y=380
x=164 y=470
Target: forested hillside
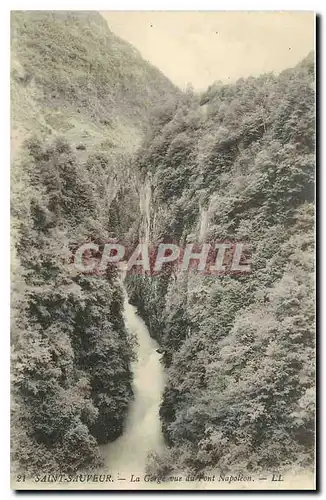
x=71 y=75
x=104 y=146
x=236 y=164
x=81 y=99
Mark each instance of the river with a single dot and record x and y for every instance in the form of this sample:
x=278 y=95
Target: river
x=142 y=433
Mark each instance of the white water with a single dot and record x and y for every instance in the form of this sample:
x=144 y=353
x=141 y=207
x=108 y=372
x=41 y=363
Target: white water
x=203 y=223
x=145 y=210
x=205 y=215
x=142 y=434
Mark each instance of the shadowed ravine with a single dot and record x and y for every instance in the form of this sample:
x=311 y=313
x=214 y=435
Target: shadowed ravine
x=128 y=454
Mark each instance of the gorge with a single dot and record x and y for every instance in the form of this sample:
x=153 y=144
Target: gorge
x=106 y=147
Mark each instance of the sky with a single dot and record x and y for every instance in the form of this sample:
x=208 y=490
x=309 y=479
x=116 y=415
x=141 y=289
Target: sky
x=199 y=48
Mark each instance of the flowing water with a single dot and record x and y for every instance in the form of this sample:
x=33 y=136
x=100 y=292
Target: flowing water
x=142 y=434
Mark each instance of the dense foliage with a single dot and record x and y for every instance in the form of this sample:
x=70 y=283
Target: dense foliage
x=236 y=164
x=71 y=352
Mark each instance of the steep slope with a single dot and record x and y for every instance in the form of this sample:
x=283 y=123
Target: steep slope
x=71 y=354
x=236 y=164
x=72 y=75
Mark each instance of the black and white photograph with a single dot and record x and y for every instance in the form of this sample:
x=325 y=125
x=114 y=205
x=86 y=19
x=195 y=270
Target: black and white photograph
x=162 y=248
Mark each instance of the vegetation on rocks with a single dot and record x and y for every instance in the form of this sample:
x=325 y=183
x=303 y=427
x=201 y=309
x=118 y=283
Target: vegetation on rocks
x=239 y=350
